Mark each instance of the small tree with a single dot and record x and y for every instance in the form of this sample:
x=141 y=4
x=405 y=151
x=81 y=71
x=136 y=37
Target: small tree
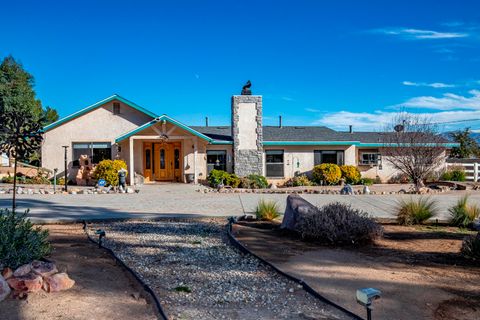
x=468 y=146
x=20 y=137
x=412 y=145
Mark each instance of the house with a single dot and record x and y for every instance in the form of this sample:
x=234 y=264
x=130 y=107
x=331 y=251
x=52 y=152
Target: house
x=160 y=148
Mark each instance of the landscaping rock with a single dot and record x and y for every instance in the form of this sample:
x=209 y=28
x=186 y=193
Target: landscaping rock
x=4 y=289
x=23 y=270
x=30 y=282
x=58 y=282
x=366 y=190
x=130 y=190
x=296 y=207
x=7 y=273
x=44 y=268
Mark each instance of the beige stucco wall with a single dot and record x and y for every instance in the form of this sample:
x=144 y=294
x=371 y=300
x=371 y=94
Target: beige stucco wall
x=98 y=125
x=247 y=125
x=301 y=158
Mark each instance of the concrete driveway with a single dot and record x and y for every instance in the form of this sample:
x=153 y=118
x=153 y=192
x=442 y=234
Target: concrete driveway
x=180 y=199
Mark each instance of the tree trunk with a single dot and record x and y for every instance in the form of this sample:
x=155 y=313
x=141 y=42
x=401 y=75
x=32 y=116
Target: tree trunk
x=419 y=185
x=14 y=204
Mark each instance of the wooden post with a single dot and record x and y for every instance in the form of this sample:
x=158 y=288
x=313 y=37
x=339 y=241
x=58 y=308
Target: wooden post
x=475 y=172
x=195 y=152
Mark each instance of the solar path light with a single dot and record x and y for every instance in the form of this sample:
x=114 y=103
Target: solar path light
x=366 y=296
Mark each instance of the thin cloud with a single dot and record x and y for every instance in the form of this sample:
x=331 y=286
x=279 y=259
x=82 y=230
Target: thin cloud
x=312 y=110
x=409 y=33
x=425 y=84
x=447 y=101
x=378 y=120
x=287 y=99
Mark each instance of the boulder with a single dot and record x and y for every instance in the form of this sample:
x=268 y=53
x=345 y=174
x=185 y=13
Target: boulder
x=7 y=273
x=130 y=190
x=295 y=209
x=58 y=282
x=366 y=190
x=30 y=282
x=23 y=270
x=44 y=268
x=4 y=289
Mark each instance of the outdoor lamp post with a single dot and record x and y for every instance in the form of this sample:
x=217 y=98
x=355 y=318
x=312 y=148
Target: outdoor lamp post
x=55 y=180
x=366 y=296
x=65 y=148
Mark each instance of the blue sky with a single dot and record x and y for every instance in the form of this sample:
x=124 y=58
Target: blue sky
x=331 y=63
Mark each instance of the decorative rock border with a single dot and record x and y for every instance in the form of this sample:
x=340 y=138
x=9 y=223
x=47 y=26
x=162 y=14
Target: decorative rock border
x=73 y=190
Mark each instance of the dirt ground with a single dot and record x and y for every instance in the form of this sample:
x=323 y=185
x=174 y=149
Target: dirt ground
x=102 y=290
x=419 y=271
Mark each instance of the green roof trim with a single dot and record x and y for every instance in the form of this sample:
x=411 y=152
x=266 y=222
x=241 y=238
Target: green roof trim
x=158 y=119
x=96 y=105
x=446 y=145
x=221 y=142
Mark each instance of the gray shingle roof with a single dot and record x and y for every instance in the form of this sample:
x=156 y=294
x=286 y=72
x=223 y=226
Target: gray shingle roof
x=297 y=133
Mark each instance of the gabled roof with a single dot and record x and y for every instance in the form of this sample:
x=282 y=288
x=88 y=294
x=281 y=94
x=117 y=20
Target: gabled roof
x=96 y=105
x=168 y=119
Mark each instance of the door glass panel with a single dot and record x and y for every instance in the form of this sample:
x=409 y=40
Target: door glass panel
x=162 y=158
x=148 y=161
x=177 y=159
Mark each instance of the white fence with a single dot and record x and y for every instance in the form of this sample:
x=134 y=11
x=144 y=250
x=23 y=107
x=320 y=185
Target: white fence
x=471 y=169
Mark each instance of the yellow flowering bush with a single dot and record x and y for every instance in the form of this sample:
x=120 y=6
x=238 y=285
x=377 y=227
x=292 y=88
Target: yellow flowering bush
x=351 y=174
x=328 y=172
x=108 y=170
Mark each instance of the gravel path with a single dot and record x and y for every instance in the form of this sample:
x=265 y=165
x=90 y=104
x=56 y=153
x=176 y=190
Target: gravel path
x=175 y=256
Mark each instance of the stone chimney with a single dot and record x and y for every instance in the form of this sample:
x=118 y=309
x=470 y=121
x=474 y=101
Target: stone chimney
x=247 y=135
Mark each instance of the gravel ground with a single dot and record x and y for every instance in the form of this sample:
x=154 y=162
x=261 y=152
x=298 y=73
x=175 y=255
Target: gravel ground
x=176 y=256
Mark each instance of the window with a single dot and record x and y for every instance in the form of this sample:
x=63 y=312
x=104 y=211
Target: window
x=216 y=159
x=274 y=163
x=328 y=156
x=162 y=158
x=177 y=158
x=116 y=108
x=96 y=151
x=369 y=158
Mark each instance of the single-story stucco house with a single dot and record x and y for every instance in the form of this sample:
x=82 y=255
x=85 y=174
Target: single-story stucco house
x=160 y=148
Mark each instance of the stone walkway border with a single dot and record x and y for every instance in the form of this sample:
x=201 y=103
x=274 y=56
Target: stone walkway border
x=305 y=286
x=154 y=297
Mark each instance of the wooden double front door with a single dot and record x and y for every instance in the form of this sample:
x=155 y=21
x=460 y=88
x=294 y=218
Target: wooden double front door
x=162 y=161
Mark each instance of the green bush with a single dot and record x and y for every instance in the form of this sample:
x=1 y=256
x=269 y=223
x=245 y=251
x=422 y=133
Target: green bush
x=254 y=181
x=217 y=177
x=108 y=170
x=329 y=173
x=454 y=174
x=351 y=174
x=471 y=246
x=267 y=210
x=20 y=242
x=298 y=181
x=462 y=213
x=338 y=224
x=366 y=181
x=39 y=179
x=418 y=211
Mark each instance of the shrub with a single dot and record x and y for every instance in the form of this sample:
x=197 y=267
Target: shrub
x=454 y=174
x=254 y=181
x=338 y=224
x=328 y=172
x=298 y=181
x=462 y=213
x=366 y=181
x=471 y=246
x=267 y=210
x=415 y=211
x=216 y=177
x=351 y=174
x=108 y=170
x=20 y=242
